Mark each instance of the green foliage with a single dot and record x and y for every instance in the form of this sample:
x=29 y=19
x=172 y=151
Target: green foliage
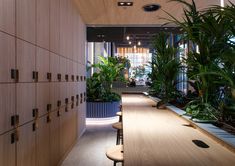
x=213 y=67
x=99 y=86
x=165 y=68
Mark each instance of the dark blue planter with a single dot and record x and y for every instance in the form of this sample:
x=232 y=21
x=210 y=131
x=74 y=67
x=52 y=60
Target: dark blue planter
x=102 y=109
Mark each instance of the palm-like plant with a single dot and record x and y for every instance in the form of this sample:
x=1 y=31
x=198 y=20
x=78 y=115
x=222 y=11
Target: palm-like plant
x=213 y=66
x=165 y=68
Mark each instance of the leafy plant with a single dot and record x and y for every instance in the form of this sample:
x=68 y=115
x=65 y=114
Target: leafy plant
x=212 y=67
x=99 y=86
x=165 y=68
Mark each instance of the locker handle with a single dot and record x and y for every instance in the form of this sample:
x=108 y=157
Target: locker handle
x=67 y=77
x=59 y=77
x=72 y=105
x=66 y=109
x=58 y=113
x=49 y=76
x=66 y=100
x=72 y=98
x=15 y=74
x=72 y=77
x=77 y=78
x=15 y=120
x=81 y=78
x=35 y=113
x=12 y=138
x=48 y=118
x=35 y=76
x=48 y=107
x=58 y=103
x=84 y=78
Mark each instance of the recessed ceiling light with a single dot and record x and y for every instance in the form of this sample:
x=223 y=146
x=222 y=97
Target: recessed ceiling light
x=130 y=42
x=128 y=38
x=139 y=43
x=123 y=3
x=151 y=7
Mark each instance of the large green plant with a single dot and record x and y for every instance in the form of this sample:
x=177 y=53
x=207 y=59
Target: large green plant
x=99 y=86
x=211 y=67
x=165 y=68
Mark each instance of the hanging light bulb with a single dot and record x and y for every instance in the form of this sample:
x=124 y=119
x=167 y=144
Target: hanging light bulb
x=129 y=42
x=128 y=38
x=134 y=46
x=139 y=43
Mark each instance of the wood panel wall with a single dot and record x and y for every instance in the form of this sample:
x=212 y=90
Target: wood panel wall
x=42 y=81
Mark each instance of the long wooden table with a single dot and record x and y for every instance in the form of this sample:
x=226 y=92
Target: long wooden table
x=157 y=137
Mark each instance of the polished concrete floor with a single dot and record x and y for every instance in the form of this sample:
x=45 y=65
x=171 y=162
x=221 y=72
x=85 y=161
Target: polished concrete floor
x=91 y=148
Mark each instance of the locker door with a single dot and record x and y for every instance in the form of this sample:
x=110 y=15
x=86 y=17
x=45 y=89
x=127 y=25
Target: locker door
x=7 y=106
x=25 y=20
x=43 y=18
x=54 y=94
x=7 y=150
x=25 y=60
x=26 y=146
x=42 y=97
x=42 y=64
x=54 y=66
x=43 y=142
x=26 y=102
x=55 y=139
x=7 y=16
x=7 y=56
x=55 y=26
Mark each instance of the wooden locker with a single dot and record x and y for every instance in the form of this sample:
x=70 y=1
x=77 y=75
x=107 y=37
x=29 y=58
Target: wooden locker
x=7 y=16
x=7 y=106
x=63 y=131
x=43 y=23
x=26 y=20
x=43 y=98
x=26 y=60
x=26 y=146
x=63 y=92
x=7 y=150
x=69 y=29
x=64 y=27
x=42 y=64
x=54 y=66
x=55 y=26
x=26 y=102
x=7 y=56
x=55 y=153
x=75 y=34
x=63 y=68
x=54 y=95
x=43 y=142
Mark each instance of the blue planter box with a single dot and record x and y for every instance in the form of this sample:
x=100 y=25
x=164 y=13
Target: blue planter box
x=102 y=109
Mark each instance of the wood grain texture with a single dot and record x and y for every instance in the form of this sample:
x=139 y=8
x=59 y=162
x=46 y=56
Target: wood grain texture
x=26 y=20
x=159 y=137
x=7 y=56
x=7 y=16
x=7 y=150
x=107 y=12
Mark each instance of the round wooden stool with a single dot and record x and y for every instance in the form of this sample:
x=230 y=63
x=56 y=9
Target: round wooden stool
x=120 y=116
x=118 y=126
x=116 y=154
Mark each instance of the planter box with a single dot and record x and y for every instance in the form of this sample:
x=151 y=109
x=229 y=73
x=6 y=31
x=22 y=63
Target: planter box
x=102 y=109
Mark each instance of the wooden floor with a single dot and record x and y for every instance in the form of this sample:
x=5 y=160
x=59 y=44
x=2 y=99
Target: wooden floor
x=157 y=137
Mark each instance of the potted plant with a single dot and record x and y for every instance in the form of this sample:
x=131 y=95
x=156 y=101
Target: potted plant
x=101 y=101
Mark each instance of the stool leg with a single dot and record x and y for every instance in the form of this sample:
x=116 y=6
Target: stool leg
x=117 y=142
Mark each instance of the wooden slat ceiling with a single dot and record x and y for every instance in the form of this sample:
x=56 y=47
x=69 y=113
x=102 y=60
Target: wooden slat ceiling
x=107 y=12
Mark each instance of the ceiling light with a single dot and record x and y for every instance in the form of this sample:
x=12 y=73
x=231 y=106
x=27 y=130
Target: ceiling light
x=139 y=43
x=134 y=46
x=130 y=42
x=151 y=7
x=125 y=3
x=128 y=38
